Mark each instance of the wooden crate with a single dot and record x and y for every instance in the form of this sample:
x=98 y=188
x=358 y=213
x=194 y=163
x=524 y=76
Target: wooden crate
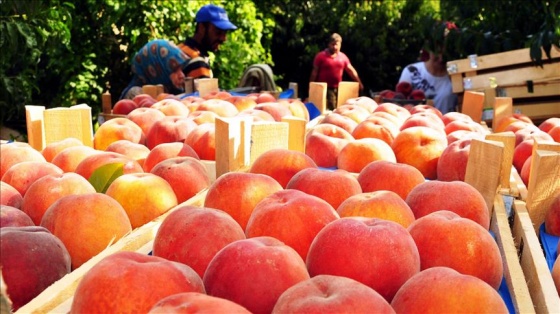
x=535 y=90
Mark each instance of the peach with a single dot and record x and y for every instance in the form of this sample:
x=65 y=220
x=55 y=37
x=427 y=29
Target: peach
x=221 y=94
x=201 y=117
x=395 y=110
x=193 y=235
x=390 y=176
x=86 y=224
x=265 y=97
x=281 y=164
x=254 y=273
x=519 y=125
x=69 y=158
x=424 y=118
x=555 y=133
x=385 y=205
x=338 y=249
x=324 y=142
x=456 y=196
x=453 y=116
x=420 y=147
x=426 y=108
x=549 y=123
x=144 y=196
x=276 y=110
x=444 y=290
x=196 y=302
x=52 y=149
x=145 y=118
x=462 y=134
x=552 y=217
x=171 y=107
x=50 y=188
x=444 y=238
x=291 y=216
x=452 y=164
x=21 y=175
x=256 y=115
x=504 y=123
x=534 y=133
x=160 y=278
x=525 y=172
x=91 y=163
x=144 y=98
x=169 y=129
x=242 y=102
x=124 y=106
x=136 y=151
x=331 y=186
x=14 y=217
x=186 y=175
x=460 y=124
x=359 y=153
x=521 y=152
x=219 y=106
x=117 y=129
x=202 y=139
x=237 y=193
x=331 y=294
x=363 y=101
x=16 y=152
x=345 y=122
x=355 y=112
x=165 y=151
x=387 y=116
x=32 y=259
x=297 y=108
x=376 y=127
x=9 y=196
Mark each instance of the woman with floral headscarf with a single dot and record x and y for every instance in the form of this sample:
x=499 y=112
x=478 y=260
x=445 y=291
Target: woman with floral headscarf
x=158 y=62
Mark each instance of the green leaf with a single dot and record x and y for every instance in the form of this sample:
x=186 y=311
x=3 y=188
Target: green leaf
x=103 y=176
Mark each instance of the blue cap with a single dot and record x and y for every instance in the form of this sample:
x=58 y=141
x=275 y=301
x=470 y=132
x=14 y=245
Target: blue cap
x=215 y=15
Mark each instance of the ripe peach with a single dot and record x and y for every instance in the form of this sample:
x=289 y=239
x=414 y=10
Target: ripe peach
x=331 y=294
x=376 y=127
x=193 y=235
x=265 y=97
x=91 y=163
x=555 y=133
x=144 y=97
x=452 y=164
x=145 y=117
x=359 y=153
x=256 y=115
x=385 y=205
x=549 y=123
x=552 y=218
x=331 y=186
x=186 y=175
x=444 y=290
x=462 y=134
x=387 y=116
x=291 y=216
x=395 y=110
x=21 y=175
x=444 y=238
x=165 y=151
x=144 y=196
x=281 y=164
x=221 y=107
x=297 y=108
x=124 y=106
x=426 y=108
x=237 y=193
x=201 y=117
x=171 y=107
x=69 y=158
x=521 y=152
x=86 y=224
x=242 y=102
x=424 y=118
x=49 y=189
x=456 y=196
x=14 y=217
x=52 y=149
x=9 y=196
x=519 y=125
x=345 y=122
x=16 y=152
x=32 y=259
x=117 y=129
x=202 y=139
x=276 y=110
x=136 y=151
x=363 y=101
x=355 y=112
x=468 y=125
x=196 y=302
x=525 y=172
x=169 y=129
x=254 y=273
x=338 y=249
x=420 y=147
x=453 y=116
x=391 y=176
x=160 y=278
x=533 y=133
x=324 y=142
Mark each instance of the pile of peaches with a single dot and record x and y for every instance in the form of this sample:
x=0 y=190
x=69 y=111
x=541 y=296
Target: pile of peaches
x=375 y=216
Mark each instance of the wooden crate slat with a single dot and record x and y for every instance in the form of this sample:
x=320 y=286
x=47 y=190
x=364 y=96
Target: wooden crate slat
x=514 y=76
x=540 y=89
x=539 y=110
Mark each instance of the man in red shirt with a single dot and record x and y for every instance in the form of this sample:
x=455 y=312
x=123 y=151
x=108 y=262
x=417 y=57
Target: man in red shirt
x=328 y=67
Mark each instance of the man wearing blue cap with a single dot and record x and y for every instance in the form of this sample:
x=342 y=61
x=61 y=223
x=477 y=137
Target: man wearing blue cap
x=212 y=25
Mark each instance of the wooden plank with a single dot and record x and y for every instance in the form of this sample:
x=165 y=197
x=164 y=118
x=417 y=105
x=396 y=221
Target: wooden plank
x=513 y=273
x=457 y=82
x=151 y=90
x=206 y=86
x=512 y=77
x=508 y=139
x=62 y=123
x=347 y=90
x=318 y=95
x=539 y=110
x=297 y=130
x=503 y=107
x=473 y=103
x=502 y=59
x=532 y=260
x=544 y=184
x=232 y=152
x=483 y=168
x=294 y=86
x=516 y=182
x=34 y=118
x=59 y=295
x=106 y=103
x=265 y=136
x=541 y=88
